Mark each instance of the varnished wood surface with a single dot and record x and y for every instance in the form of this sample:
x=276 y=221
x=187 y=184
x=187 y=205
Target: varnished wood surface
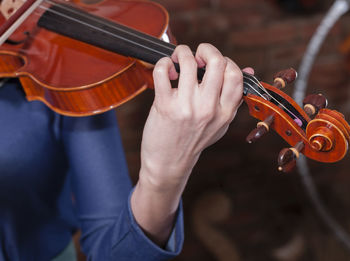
x=77 y=79
x=289 y=130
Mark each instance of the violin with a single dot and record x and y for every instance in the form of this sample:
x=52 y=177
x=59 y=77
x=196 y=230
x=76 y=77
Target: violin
x=83 y=59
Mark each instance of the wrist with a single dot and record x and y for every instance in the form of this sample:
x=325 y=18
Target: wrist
x=154 y=211
x=163 y=181
x=166 y=175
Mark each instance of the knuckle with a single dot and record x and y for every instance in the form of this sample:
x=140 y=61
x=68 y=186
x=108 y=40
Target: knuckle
x=185 y=46
x=161 y=67
x=158 y=71
x=204 y=45
x=235 y=74
x=186 y=57
x=165 y=109
x=207 y=114
x=218 y=61
x=182 y=48
x=189 y=62
x=185 y=114
x=165 y=61
x=233 y=70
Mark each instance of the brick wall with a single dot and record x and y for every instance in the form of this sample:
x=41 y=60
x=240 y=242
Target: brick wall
x=261 y=211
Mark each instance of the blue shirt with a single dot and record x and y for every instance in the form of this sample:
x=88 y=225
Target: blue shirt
x=61 y=173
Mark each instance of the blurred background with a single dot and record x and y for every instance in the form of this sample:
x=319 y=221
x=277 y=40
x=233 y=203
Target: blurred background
x=237 y=205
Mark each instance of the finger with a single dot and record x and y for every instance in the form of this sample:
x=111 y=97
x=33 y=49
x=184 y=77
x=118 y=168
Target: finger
x=232 y=89
x=249 y=70
x=215 y=65
x=163 y=71
x=188 y=70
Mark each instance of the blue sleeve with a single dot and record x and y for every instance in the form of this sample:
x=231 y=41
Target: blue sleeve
x=102 y=189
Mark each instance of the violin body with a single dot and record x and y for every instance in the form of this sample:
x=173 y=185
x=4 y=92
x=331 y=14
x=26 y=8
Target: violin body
x=74 y=78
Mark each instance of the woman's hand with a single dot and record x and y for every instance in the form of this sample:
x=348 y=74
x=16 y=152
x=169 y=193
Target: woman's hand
x=182 y=122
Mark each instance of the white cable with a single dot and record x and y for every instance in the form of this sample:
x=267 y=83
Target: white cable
x=339 y=8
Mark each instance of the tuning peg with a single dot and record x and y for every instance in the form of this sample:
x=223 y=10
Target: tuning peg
x=313 y=103
x=287 y=157
x=282 y=78
x=261 y=129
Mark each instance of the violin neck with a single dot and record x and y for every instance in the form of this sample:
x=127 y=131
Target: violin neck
x=74 y=23
x=79 y=25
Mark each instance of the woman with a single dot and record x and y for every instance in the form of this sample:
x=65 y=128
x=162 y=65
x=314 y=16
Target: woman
x=60 y=173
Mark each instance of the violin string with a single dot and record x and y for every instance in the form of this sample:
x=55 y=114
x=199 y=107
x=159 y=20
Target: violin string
x=154 y=40
x=101 y=30
x=259 y=94
x=251 y=87
x=109 y=33
x=254 y=80
x=122 y=28
x=127 y=30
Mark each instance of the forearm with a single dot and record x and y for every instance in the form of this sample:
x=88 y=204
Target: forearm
x=154 y=206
